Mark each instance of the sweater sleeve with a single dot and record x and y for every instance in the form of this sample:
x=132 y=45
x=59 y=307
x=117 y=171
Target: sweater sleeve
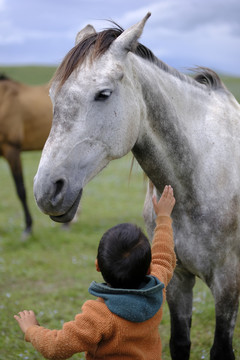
x=82 y=334
x=163 y=255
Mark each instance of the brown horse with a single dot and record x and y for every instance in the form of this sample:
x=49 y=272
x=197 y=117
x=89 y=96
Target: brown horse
x=25 y=122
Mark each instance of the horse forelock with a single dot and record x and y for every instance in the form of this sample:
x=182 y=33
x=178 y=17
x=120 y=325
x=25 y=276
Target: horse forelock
x=96 y=45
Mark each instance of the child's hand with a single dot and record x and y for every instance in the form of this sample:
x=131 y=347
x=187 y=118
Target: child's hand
x=166 y=203
x=26 y=319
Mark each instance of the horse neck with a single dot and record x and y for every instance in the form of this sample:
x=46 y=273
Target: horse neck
x=164 y=148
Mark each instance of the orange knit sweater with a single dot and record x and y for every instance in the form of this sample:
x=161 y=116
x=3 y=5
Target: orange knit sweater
x=104 y=335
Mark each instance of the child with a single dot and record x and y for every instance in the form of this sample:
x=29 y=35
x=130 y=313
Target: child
x=122 y=323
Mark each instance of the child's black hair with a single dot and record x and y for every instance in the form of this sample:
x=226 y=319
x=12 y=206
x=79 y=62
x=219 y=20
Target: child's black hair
x=124 y=256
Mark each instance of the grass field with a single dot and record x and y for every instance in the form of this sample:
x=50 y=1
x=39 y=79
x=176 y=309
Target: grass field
x=51 y=271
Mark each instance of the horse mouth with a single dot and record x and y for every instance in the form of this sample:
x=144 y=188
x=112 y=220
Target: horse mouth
x=69 y=215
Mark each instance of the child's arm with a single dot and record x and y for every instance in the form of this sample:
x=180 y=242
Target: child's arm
x=82 y=334
x=163 y=255
x=26 y=319
x=166 y=202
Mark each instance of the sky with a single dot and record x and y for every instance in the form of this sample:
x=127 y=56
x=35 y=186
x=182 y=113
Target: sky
x=182 y=33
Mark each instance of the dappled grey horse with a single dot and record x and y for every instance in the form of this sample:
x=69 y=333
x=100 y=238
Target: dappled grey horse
x=111 y=95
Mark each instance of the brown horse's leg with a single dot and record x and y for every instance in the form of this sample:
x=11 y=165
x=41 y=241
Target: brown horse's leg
x=12 y=155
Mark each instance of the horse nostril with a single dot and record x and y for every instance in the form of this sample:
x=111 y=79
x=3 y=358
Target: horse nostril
x=52 y=197
x=59 y=186
x=58 y=192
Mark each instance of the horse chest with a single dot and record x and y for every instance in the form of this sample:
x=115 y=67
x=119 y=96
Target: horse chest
x=204 y=245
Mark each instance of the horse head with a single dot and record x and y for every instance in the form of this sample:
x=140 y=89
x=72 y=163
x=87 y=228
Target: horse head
x=97 y=115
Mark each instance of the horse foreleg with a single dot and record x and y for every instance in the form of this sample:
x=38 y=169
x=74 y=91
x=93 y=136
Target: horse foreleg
x=12 y=155
x=226 y=296
x=179 y=298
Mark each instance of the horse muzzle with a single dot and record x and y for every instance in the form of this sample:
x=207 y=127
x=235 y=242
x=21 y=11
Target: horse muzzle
x=56 y=198
x=69 y=214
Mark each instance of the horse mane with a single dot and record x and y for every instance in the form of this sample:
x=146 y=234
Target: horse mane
x=208 y=77
x=4 y=77
x=99 y=43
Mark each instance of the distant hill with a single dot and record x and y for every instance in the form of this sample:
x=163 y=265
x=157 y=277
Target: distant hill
x=32 y=75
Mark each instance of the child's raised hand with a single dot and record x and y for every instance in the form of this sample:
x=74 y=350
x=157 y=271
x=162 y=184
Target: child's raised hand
x=26 y=319
x=166 y=202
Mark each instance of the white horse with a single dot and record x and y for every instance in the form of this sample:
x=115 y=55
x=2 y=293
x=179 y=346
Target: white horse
x=111 y=95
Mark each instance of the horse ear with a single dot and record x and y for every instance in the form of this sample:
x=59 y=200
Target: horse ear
x=128 y=40
x=85 y=32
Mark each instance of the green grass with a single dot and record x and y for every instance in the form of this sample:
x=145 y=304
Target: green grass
x=50 y=272
x=31 y=75
x=233 y=84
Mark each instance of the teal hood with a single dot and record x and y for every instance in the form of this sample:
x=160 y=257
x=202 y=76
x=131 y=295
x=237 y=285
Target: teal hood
x=135 y=305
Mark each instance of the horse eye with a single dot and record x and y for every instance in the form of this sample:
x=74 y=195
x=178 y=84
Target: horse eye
x=103 y=95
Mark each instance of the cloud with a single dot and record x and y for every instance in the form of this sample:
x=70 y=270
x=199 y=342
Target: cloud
x=186 y=16
x=185 y=34
x=180 y=32
x=2 y=5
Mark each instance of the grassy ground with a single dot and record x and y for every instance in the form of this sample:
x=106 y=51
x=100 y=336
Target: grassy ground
x=50 y=272
x=31 y=75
